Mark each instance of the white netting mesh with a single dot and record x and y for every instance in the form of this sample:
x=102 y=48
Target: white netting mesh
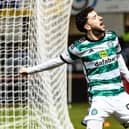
x=33 y=31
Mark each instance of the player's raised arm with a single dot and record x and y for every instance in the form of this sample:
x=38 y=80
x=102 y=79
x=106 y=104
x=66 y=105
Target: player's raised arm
x=123 y=68
x=65 y=57
x=52 y=63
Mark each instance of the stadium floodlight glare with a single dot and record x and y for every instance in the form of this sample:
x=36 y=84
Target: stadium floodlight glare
x=33 y=31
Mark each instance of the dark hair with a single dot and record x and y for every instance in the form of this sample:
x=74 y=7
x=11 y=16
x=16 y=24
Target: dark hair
x=81 y=18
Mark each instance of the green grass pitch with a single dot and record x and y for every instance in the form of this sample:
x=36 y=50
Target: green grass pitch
x=79 y=110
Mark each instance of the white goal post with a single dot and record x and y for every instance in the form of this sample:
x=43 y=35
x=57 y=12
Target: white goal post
x=33 y=31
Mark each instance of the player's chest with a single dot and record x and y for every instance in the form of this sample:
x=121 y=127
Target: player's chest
x=100 y=51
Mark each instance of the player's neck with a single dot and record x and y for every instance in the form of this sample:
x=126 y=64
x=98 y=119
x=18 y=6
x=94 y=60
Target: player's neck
x=94 y=35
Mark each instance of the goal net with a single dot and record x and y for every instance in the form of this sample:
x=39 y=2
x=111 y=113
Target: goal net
x=33 y=31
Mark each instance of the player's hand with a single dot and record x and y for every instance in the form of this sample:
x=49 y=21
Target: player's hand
x=23 y=71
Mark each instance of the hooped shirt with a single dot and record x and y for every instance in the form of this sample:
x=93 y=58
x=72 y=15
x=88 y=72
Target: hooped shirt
x=100 y=64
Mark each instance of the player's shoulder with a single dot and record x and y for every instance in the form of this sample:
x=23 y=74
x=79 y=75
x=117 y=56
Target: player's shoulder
x=79 y=41
x=78 y=44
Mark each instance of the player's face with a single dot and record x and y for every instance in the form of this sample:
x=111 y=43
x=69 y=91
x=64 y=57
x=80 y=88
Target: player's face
x=95 y=22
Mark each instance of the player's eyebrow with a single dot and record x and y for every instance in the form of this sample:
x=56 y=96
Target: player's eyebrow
x=93 y=17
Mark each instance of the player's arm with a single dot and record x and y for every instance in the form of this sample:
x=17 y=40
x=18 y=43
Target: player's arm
x=123 y=68
x=52 y=63
x=68 y=56
x=122 y=65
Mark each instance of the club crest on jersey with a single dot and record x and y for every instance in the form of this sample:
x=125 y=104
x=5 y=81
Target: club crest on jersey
x=110 y=44
x=103 y=54
x=94 y=111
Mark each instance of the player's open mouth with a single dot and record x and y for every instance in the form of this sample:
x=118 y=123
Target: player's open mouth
x=102 y=24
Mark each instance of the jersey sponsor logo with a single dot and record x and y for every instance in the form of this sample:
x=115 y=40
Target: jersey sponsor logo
x=105 y=61
x=103 y=54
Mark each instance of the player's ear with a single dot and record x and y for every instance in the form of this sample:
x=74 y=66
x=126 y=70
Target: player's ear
x=87 y=26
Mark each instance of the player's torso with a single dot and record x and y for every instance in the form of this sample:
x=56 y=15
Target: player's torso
x=100 y=65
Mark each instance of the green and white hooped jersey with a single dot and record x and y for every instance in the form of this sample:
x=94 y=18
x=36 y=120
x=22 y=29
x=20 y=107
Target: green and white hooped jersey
x=100 y=65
